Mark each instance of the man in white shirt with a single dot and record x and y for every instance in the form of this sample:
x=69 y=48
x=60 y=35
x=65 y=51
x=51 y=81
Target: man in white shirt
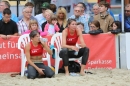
x=40 y=17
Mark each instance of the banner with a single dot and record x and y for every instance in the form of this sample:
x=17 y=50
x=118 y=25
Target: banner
x=102 y=53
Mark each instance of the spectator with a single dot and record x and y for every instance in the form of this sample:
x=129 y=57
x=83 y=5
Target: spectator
x=52 y=27
x=116 y=27
x=8 y=27
x=30 y=5
x=41 y=17
x=104 y=17
x=48 y=14
x=53 y=8
x=35 y=65
x=109 y=10
x=33 y=25
x=79 y=18
x=6 y=4
x=81 y=27
x=95 y=28
x=127 y=18
x=83 y=9
x=62 y=18
x=70 y=36
x=95 y=10
x=23 y=24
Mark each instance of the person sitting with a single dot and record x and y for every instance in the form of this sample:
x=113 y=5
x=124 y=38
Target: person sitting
x=34 y=54
x=33 y=25
x=81 y=27
x=70 y=36
x=116 y=27
x=95 y=28
x=8 y=27
x=52 y=28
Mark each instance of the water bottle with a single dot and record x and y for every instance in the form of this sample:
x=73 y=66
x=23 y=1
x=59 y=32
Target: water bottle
x=26 y=72
x=76 y=53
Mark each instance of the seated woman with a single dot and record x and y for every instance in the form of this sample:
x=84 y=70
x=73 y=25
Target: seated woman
x=95 y=28
x=70 y=36
x=33 y=25
x=116 y=27
x=34 y=54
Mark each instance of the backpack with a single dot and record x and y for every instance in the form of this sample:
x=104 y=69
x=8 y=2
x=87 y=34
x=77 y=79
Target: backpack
x=73 y=67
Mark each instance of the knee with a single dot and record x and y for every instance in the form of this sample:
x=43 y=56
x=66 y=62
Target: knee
x=86 y=49
x=50 y=74
x=63 y=52
x=31 y=76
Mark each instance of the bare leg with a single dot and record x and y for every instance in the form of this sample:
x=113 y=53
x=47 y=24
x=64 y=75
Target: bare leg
x=82 y=70
x=66 y=71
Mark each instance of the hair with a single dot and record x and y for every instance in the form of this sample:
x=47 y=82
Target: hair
x=7 y=11
x=53 y=8
x=80 y=23
x=53 y=17
x=49 y=11
x=128 y=5
x=33 y=33
x=96 y=23
x=106 y=4
x=95 y=5
x=29 y=4
x=117 y=23
x=7 y=3
x=70 y=21
x=32 y=22
x=62 y=10
x=83 y=5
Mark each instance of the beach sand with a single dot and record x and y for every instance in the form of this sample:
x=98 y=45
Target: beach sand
x=100 y=77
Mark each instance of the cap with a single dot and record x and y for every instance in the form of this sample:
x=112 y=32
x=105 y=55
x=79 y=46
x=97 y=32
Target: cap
x=45 y=5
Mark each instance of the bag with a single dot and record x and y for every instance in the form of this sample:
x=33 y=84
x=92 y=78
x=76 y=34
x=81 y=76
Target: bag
x=73 y=67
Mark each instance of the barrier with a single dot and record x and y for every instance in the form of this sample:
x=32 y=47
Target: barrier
x=124 y=50
x=102 y=53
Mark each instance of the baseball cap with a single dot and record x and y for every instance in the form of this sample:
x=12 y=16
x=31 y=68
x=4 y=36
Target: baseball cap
x=45 y=5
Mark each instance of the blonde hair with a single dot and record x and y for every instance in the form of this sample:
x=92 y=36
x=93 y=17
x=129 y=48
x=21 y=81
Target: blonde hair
x=63 y=10
x=32 y=22
x=49 y=11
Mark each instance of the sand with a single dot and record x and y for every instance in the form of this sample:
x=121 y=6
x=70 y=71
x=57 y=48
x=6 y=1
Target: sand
x=100 y=77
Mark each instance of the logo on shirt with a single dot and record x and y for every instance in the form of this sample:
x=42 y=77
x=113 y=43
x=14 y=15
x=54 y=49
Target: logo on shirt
x=70 y=39
x=35 y=50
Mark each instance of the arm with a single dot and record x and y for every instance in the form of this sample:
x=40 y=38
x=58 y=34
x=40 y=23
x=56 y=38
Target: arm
x=110 y=23
x=46 y=47
x=27 y=53
x=81 y=38
x=56 y=28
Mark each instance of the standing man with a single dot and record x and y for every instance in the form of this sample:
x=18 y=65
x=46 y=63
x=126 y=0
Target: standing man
x=3 y=5
x=41 y=17
x=79 y=18
x=104 y=18
x=8 y=27
x=127 y=18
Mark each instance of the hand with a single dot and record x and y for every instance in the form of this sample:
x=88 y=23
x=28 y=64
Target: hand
x=82 y=45
x=8 y=36
x=3 y=36
x=40 y=71
x=74 y=48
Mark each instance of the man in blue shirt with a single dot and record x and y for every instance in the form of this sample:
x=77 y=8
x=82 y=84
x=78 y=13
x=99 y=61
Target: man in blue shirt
x=79 y=18
x=3 y=5
x=127 y=18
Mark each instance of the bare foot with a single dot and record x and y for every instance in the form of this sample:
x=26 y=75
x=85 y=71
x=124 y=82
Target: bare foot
x=82 y=73
x=67 y=74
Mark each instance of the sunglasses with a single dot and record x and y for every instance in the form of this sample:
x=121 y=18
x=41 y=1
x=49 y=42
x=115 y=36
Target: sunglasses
x=127 y=10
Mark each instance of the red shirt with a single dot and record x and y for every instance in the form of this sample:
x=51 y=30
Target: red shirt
x=71 y=39
x=36 y=51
